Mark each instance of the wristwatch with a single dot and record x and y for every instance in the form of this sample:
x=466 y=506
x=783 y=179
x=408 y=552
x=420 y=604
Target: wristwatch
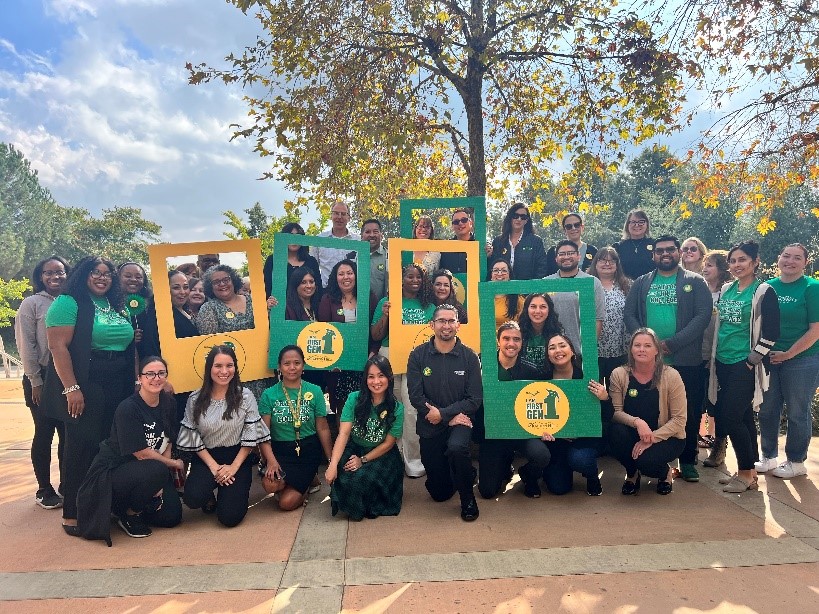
x=364 y=460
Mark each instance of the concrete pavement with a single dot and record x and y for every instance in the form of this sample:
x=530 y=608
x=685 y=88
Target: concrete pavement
x=697 y=550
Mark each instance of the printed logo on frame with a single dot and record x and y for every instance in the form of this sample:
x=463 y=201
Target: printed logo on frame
x=542 y=407
x=321 y=343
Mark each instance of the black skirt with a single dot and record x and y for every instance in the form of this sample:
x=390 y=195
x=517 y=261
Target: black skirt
x=302 y=468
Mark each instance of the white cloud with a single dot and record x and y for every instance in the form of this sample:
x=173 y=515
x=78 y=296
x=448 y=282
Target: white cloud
x=107 y=118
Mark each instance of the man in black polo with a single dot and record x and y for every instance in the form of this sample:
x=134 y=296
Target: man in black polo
x=677 y=305
x=444 y=382
x=496 y=455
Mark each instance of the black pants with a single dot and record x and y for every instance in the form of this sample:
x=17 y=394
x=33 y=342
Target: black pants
x=446 y=460
x=495 y=459
x=231 y=501
x=135 y=483
x=606 y=365
x=694 y=393
x=735 y=412
x=653 y=462
x=44 y=429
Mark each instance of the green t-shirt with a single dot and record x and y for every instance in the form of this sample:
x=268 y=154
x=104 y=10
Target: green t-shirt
x=798 y=309
x=536 y=351
x=375 y=432
x=734 y=340
x=273 y=403
x=661 y=306
x=111 y=330
x=411 y=313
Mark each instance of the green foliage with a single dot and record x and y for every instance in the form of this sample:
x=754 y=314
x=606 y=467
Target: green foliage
x=121 y=234
x=29 y=217
x=11 y=293
x=381 y=99
x=262 y=226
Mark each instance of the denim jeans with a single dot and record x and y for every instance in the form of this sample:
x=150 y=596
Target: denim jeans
x=793 y=383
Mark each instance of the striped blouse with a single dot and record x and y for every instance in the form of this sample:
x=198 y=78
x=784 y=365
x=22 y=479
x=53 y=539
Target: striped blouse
x=244 y=427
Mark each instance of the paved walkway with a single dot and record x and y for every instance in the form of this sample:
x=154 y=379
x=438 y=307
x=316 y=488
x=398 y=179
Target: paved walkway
x=698 y=550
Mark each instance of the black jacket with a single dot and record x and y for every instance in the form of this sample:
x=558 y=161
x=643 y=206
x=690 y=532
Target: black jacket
x=451 y=382
x=530 y=256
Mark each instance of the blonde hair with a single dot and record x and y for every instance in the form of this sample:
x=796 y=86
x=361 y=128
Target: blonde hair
x=659 y=365
x=700 y=246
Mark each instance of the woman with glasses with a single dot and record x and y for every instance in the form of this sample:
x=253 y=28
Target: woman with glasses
x=222 y=426
x=519 y=244
x=692 y=254
x=636 y=248
x=47 y=280
x=131 y=474
x=507 y=306
x=93 y=368
x=416 y=308
x=611 y=345
x=572 y=224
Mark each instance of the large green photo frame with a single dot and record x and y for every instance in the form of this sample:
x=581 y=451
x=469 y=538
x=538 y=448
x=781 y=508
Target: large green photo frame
x=505 y=403
x=354 y=336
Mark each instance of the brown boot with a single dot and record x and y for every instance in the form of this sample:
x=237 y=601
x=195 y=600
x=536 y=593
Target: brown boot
x=717 y=456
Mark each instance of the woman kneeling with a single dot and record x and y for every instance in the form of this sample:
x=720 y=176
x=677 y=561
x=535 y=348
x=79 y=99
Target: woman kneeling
x=366 y=470
x=648 y=426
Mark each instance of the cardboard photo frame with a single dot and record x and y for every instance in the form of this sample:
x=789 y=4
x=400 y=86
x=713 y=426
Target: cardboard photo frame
x=405 y=337
x=186 y=357
x=527 y=408
x=326 y=345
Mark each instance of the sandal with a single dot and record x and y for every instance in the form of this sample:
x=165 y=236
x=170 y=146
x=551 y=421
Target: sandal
x=631 y=487
x=739 y=485
x=705 y=441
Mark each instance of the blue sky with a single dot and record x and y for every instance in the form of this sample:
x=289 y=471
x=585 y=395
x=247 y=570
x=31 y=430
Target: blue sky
x=94 y=93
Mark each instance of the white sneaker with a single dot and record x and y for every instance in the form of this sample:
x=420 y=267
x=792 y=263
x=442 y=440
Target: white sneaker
x=790 y=469
x=766 y=464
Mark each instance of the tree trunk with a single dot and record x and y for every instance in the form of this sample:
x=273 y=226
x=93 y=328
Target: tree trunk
x=473 y=104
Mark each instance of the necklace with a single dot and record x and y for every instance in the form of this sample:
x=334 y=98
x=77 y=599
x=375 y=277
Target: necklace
x=107 y=309
x=295 y=412
x=310 y=313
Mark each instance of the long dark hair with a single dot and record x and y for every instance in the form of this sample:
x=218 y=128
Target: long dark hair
x=451 y=299
x=303 y=249
x=233 y=396
x=552 y=324
x=506 y=227
x=364 y=404
x=576 y=360
x=425 y=295
x=293 y=302
x=332 y=283
x=76 y=286
x=37 y=274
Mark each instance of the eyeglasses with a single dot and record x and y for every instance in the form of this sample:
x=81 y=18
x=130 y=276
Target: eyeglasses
x=575 y=226
x=442 y=321
x=520 y=216
x=53 y=273
x=460 y=221
x=339 y=213
x=222 y=281
x=503 y=271
x=637 y=222
x=155 y=374
x=95 y=274
x=606 y=261
x=692 y=248
x=665 y=250
x=565 y=254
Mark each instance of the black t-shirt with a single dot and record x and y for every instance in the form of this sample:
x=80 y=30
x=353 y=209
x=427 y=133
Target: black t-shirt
x=138 y=426
x=642 y=402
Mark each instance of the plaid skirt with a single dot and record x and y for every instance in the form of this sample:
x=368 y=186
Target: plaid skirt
x=374 y=490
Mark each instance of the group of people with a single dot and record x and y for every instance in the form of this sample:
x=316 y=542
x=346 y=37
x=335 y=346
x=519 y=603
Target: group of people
x=679 y=329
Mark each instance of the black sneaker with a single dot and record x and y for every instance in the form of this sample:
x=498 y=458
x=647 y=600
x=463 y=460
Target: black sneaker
x=48 y=499
x=134 y=526
x=593 y=487
x=469 y=511
x=531 y=489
